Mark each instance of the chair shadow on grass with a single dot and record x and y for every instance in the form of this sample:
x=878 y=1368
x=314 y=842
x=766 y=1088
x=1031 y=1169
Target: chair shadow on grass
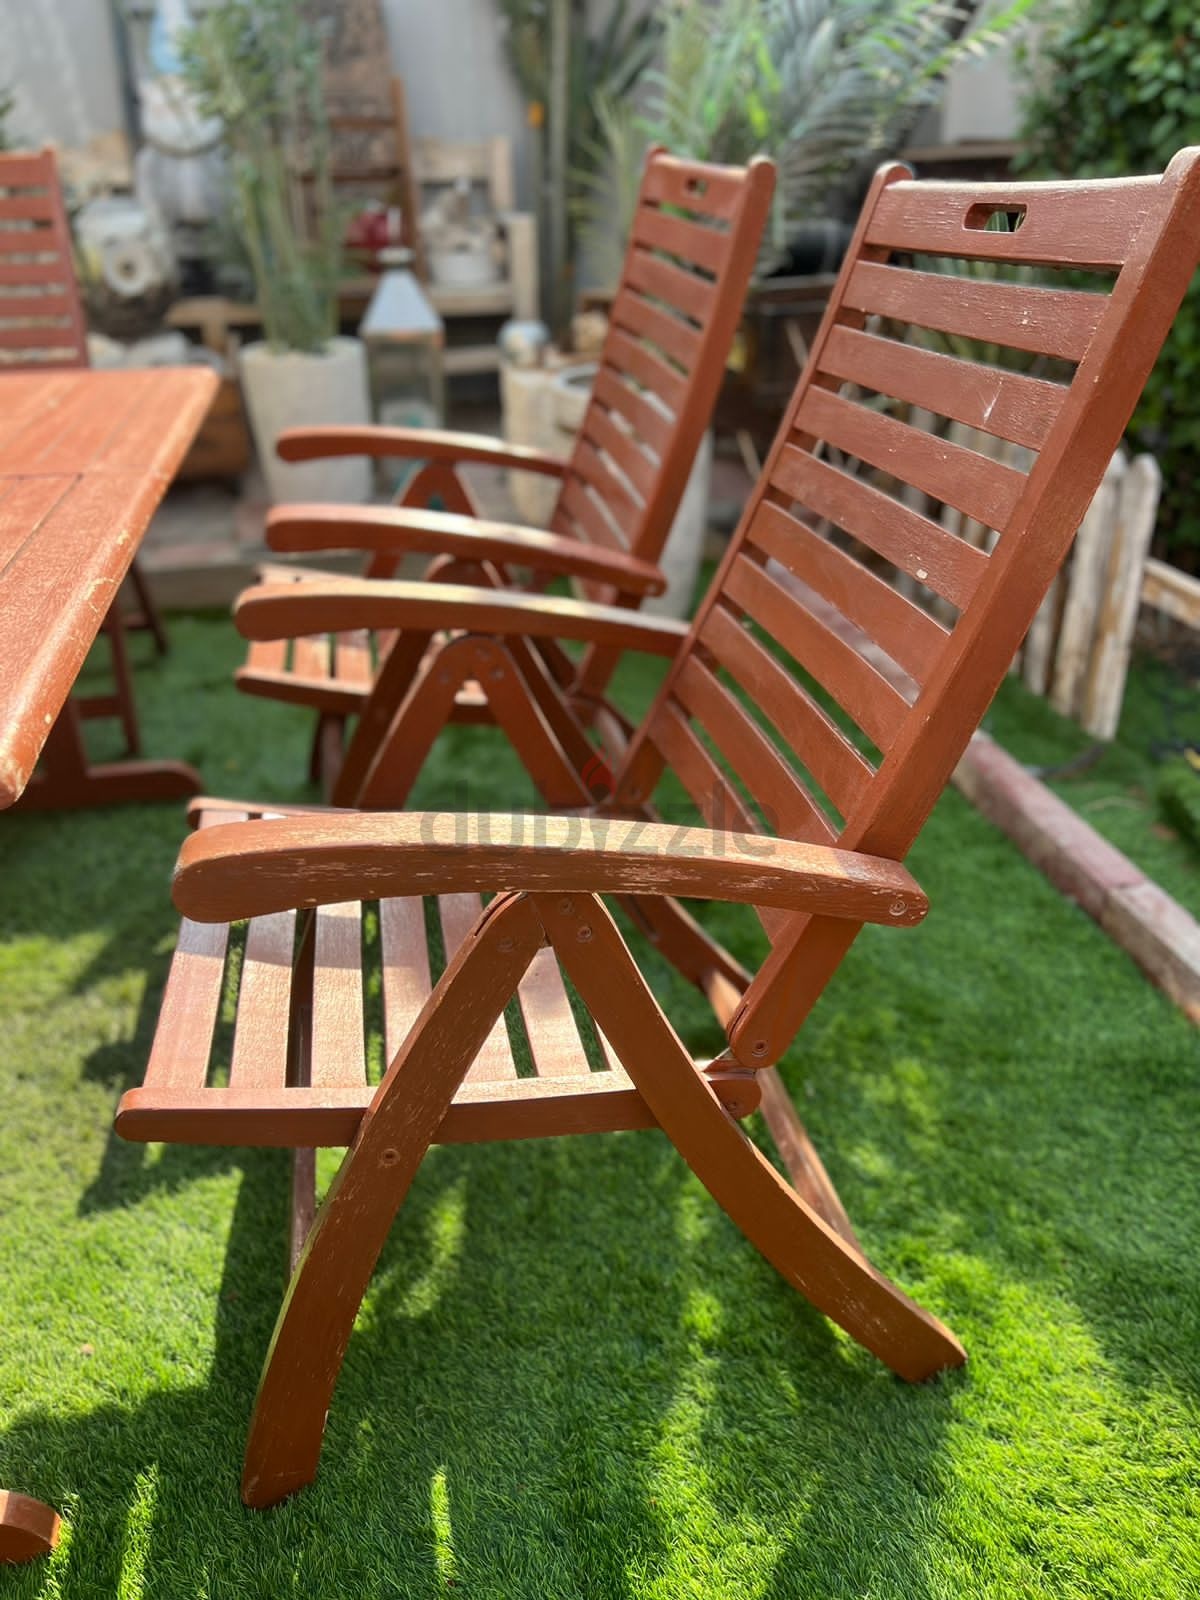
x=512 y=1410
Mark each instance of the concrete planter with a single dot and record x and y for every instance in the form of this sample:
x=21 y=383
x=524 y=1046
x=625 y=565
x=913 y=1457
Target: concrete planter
x=287 y=389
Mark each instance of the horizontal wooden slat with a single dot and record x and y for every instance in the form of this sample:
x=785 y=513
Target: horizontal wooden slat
x=459 y=913
x=1052 y=322
x=1061 y=223
x=692 y=241
x=651 y=424
x=525 y=1108
x=554 y=1040
x=912 y=638
x=974 y=484
x=338 y=1047
x=404 y=959
x=594 y=525
x=260 y=1040
x=650 y=370
x=676 y=338
x=608 y=436
x=708 y=191
x=841 y=770
x=1007 y=404
x=853 y=682
x=675 y=286
x=946 y=564
x=786 y=805
x=616 y=497
x=34 y=239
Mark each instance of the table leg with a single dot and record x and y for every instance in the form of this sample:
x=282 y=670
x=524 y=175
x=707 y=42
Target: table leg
x=65 y=779
x=27 y=1528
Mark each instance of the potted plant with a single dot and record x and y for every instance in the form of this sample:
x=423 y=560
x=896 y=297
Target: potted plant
x=256 y=65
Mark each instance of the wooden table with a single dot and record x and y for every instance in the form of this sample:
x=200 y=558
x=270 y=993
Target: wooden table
x=85 y=458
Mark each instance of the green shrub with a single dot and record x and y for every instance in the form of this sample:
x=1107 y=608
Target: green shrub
x=1113 y=91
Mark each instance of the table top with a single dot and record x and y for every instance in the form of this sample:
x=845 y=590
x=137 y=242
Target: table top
x=85 y=458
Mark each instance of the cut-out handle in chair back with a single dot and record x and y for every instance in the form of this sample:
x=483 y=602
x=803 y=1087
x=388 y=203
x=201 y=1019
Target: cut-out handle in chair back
x=1053 y=369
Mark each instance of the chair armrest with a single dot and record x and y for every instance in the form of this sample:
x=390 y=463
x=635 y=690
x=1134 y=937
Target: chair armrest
x=395 y=529
x=247 y=869
x=335 y=605
x=418 y=444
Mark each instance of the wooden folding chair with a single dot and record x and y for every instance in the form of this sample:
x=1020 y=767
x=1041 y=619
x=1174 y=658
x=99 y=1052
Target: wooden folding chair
x=695 y=238
x=810 y=801
x=42 y=325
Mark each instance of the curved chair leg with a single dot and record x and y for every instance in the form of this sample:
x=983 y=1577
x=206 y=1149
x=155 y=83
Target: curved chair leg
x=827 y=1268
x=331 y=1277
x=27 y=1528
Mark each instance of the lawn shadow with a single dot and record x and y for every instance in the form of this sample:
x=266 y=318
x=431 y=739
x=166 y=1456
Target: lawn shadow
x=549 y=1324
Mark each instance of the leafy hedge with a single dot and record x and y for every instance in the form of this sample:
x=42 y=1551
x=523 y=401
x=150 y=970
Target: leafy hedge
x=1115 y=90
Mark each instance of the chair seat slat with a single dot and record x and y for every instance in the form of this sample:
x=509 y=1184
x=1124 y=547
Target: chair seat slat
x=458 y=914
x=404 y=957
x=260 y=1040
x=182 y=1045
x=311 y=656
x=550 y=1024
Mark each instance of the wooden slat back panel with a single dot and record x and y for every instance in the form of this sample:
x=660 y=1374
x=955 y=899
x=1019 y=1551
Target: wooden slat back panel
x=41 y=314
x=693 y=245
x=850 y=496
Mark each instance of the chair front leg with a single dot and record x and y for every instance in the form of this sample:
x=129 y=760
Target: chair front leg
x=811 y=1254
x=331 y=1277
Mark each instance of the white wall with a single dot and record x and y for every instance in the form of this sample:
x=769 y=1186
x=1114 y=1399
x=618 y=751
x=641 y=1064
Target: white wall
x=456 y=76
x=59 y=58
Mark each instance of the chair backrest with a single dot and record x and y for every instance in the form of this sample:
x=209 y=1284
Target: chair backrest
x=41 y=314
x=692 y=247
x=805 y=576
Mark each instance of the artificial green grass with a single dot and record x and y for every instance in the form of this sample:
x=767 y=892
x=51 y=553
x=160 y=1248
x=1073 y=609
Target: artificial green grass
x=572 y=1376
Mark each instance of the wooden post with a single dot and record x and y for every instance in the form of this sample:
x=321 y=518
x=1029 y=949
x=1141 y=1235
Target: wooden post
x=1089 y=565
x=1136 y=510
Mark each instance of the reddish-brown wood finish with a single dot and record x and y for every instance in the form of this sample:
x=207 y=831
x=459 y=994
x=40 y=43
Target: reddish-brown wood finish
x=809 y=813
x=42 y=327
x=672 y=322
x=85 y=458
x=28 y=1528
